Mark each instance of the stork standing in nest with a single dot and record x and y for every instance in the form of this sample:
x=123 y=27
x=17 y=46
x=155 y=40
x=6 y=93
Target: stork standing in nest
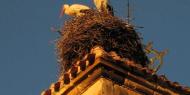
x=103 y=5
x=73 y=10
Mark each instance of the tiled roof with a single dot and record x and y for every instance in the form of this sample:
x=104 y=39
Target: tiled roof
x=100 y=57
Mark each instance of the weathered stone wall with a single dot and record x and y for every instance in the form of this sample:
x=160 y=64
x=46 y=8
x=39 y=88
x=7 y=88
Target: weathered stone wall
x=107 y=87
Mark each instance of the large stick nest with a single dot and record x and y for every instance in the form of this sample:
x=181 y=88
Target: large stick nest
x=80 y=34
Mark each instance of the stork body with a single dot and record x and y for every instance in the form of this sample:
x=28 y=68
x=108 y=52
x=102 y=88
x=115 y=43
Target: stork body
x=103 y=5
x=73 y=10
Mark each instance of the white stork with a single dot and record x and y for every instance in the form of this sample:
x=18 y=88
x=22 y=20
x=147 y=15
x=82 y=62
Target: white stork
x=103 y=5
x=73 y=10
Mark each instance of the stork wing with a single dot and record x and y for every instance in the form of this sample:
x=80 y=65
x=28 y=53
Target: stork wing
x=79 y=7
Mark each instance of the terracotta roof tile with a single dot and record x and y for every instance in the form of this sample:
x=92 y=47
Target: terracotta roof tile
x=144 y=72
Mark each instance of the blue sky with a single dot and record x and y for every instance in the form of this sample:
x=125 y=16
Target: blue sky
x=27 y=57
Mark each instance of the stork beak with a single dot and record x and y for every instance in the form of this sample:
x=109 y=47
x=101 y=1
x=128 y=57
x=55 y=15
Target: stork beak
x=62 y=12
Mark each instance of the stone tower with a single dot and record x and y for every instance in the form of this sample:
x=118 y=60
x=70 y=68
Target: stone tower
x=102 y=74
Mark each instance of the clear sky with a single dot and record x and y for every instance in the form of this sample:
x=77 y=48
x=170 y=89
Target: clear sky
x=27 y=57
